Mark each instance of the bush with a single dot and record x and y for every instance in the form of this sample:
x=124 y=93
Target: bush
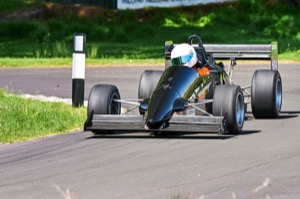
x=245 y=21
x=17 y=29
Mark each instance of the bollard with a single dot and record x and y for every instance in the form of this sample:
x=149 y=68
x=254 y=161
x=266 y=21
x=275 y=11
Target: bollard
x=78 y=69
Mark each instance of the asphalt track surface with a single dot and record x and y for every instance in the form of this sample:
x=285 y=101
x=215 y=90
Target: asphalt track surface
x=263 y=161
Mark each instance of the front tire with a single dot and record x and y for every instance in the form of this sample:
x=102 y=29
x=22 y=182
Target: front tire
x=101 y=100
x=266 y=94
x=229 y=102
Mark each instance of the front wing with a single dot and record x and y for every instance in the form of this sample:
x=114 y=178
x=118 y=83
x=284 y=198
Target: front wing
x=136 y=123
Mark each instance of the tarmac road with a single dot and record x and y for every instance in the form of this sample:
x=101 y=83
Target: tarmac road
x=262 y=161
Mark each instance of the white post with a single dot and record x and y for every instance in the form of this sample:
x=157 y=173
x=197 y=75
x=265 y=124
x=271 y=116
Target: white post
x=78 y=69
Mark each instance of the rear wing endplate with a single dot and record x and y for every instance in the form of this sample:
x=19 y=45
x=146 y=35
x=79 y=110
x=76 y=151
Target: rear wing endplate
x=235 y=52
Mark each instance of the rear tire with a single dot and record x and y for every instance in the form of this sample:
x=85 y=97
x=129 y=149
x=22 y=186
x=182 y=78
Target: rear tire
x=148 y=82
x=266 y=94
x=229 y=102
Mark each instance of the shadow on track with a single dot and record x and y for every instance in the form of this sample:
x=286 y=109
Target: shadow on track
x=183 y=136
x=288 y=114
x=283 y=115
x=248 y=132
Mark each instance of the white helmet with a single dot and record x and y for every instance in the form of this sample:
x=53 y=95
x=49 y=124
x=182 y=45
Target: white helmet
x=183 y=55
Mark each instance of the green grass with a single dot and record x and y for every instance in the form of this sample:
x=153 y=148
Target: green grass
x=34 y=62
x=24 y=119
x=58 y=62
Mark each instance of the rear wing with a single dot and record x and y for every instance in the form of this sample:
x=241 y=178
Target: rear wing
x=234 y=52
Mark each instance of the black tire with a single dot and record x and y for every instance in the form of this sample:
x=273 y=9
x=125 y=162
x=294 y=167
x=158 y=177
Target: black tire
x=266 y=94
x=229 y=102
x=148 y=82
x=101 y=100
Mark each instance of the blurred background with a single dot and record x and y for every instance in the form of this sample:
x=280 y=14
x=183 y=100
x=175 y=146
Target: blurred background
x=139 y=29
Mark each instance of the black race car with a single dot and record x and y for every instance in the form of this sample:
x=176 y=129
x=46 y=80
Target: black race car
x=180 y=99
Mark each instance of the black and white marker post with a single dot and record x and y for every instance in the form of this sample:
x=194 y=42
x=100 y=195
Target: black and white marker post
x=78 y=70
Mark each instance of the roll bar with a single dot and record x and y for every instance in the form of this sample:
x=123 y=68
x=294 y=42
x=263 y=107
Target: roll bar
x=235 y=52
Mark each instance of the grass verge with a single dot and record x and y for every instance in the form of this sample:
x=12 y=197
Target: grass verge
x=24 y=119
x=62 y=62
x=57 y=62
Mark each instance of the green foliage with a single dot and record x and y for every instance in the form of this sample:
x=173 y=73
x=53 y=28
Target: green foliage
x=17 y=29
x=11 y=5
x=23 y=119
x=142 y=33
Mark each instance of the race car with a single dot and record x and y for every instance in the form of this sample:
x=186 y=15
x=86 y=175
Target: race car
x=182 y=99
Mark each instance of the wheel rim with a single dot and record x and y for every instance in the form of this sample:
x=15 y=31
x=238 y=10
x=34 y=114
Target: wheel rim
x=240 y=109
x=114 y=106
x=278 y=94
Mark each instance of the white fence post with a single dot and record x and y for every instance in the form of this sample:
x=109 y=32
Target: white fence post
x=78 y=69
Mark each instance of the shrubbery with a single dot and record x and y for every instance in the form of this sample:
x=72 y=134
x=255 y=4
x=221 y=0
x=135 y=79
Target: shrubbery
x=255 y=21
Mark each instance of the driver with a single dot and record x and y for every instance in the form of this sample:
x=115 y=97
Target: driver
x=184 y=55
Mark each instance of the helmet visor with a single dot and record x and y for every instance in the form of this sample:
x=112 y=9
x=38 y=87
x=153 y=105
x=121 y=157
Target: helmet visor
x=179 y=61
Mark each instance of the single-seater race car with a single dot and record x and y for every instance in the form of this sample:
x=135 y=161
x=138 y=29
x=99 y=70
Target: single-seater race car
x=182 y=99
